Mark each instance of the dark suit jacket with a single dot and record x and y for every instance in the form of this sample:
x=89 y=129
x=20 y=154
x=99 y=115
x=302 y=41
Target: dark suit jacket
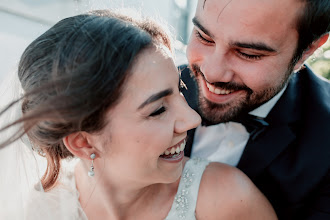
x=290 y=161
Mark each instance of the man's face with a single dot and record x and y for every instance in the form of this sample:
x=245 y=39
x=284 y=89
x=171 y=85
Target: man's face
x=240 y=53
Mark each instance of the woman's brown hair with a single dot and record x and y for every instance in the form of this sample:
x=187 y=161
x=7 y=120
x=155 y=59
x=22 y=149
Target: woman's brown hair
x=73 y=73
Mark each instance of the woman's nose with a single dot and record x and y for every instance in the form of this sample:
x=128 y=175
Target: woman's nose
x=187 y=118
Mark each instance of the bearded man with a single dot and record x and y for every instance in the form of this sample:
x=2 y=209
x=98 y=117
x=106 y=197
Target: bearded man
x=263 y=110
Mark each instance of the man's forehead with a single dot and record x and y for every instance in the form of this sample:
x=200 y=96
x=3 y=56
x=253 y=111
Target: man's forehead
x=227 y=2
x=222 y=4
x=253 y=21
x=251 y=12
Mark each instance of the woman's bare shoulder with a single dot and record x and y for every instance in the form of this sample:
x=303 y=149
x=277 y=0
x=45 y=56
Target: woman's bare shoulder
x=227 y=193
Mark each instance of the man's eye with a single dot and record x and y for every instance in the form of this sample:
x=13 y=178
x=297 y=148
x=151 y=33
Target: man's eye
x=202 y=39
x=249 y=57
x=158 y=112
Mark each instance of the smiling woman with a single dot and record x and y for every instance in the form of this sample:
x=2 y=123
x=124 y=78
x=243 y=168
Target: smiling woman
x=102 y=88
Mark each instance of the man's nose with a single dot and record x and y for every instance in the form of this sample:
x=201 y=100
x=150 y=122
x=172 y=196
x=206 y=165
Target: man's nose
x=216 y=67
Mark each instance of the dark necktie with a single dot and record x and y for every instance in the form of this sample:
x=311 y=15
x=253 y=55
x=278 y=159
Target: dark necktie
x=254 y=125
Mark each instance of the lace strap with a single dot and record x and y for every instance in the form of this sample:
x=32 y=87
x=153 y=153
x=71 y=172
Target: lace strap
x=185 y=200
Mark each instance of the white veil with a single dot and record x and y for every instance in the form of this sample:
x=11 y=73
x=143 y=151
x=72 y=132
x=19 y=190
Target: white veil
x=19 y=166
x=22 y=195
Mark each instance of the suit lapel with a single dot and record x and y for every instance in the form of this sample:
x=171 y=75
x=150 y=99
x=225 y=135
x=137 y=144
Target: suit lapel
x=260 y=153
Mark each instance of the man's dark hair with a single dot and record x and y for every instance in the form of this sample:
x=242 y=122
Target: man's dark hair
x=313 y=22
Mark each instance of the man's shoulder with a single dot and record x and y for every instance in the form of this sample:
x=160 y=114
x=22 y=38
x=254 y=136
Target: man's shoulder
x=306 y=90
x=316 y=90
x=189 y=86
x=314 y=81
x=307 y=99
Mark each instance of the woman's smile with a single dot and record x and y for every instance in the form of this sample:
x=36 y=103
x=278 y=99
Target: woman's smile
x=174 y=153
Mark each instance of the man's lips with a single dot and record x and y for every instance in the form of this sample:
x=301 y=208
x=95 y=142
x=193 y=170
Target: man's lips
x=218 y=95
x=218 y=91
x=219 y=88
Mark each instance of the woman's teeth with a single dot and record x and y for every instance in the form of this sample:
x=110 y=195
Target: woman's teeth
x=175 y=150
x=218 y=91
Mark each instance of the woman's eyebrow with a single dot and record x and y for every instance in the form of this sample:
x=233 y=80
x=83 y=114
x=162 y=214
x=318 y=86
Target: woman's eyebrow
x=156 y=96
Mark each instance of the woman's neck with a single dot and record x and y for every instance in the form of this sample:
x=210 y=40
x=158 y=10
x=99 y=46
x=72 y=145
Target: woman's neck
x=120 y=200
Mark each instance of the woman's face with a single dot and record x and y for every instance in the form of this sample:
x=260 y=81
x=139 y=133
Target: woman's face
x=150 y=121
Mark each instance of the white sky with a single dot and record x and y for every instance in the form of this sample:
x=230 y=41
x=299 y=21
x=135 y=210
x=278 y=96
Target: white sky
x=21 y=21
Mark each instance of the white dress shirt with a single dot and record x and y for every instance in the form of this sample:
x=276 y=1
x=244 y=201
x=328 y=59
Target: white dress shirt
x=226 y=142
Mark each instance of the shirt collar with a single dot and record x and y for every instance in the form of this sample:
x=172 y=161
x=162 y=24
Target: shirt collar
x=263 y=110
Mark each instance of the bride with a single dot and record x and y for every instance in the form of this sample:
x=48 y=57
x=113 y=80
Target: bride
x=102 y=104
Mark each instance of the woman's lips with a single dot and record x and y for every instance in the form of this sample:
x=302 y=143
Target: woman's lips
x=177 y=157
x=176 y=149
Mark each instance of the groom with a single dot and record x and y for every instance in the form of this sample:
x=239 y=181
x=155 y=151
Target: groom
x=263 y=110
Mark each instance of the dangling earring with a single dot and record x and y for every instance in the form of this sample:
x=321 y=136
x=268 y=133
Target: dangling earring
x=91 y=171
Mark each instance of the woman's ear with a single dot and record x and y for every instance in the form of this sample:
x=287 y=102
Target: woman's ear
x=77 y=143
x=310 y=50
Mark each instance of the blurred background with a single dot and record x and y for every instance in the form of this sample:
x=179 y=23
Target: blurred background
x=21 y=21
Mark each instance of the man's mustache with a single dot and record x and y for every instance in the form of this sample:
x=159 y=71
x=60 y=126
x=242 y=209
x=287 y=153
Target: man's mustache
x=223 y=85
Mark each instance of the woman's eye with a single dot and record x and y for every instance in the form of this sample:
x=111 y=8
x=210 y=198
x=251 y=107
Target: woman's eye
x=249 y=57
x=202 y=39
x=158 y=112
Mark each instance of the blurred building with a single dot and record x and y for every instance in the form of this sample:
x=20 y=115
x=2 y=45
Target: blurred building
x=21 y=21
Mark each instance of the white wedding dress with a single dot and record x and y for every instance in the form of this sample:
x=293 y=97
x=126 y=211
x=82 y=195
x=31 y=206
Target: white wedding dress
x=185 y=200
x=50 y=206
x=22 y=168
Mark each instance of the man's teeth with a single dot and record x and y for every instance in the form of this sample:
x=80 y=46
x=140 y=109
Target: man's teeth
x=218 y=91
x=175 y=150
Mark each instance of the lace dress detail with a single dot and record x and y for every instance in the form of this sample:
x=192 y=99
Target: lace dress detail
x=184 y=205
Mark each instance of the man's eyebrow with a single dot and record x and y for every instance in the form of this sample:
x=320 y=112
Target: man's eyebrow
x=255 y=46
x=156 y=96
x=200 y=26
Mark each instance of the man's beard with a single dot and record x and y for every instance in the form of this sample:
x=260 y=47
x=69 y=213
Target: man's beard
x=217 y=113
